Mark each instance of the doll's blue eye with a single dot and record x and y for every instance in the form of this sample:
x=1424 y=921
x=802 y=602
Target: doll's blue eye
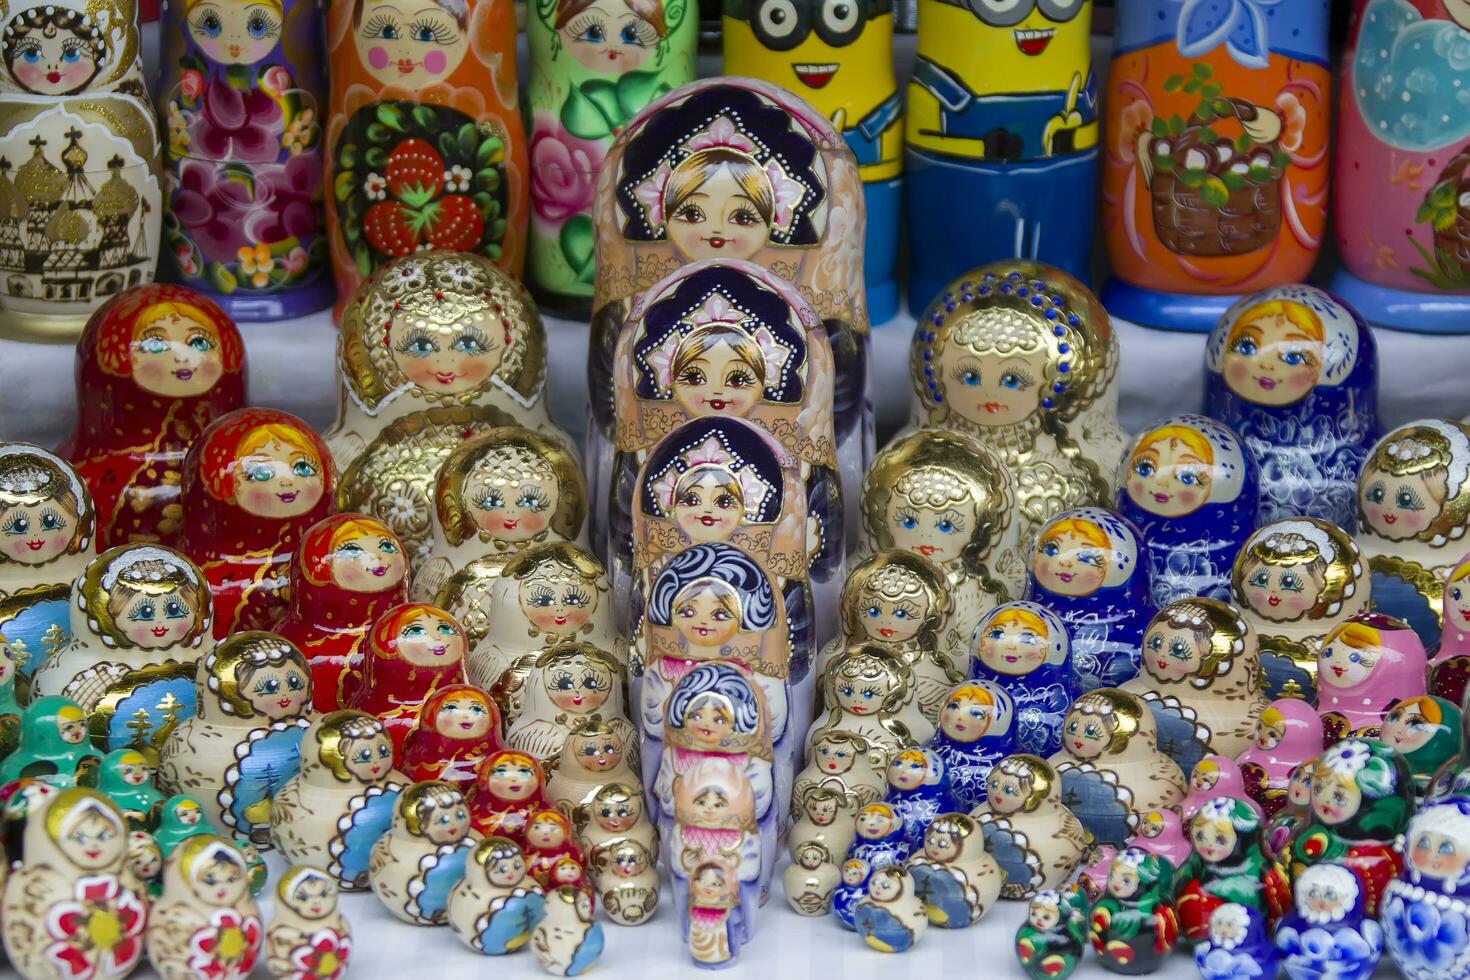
x=1354 y=658
x=1294 y=357
x=174 y=609
x=1290 y=582
x=996 y=633
x=873 y=612
x=445 y=629
x=365 y=755
x=629 y=35
x=200 y=342
x=594 y=34
x=144 y=613
x=1010 y=380
x=1144 y=468
x=31 y=55
x=303 y=468
x=909 y=522
x=1179 y=649
x=1188 y=479
x=1050 y=549
x=153 y=345
x=1446 y=847
x=387 y=547
x=414 y=630
x=210 y=25
x=258 y=473
x=1455 y=593
x=947 y=526
x=900 y=614
x=971 y=378
x=384 y=751
x=467 y=345
x=257 y=26
x=1246 y=346
x=295 y=682
x=71 y=57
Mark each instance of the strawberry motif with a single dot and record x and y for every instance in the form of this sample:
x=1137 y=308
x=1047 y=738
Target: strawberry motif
x=455 y=224
x=415 y=172
x=390 y=228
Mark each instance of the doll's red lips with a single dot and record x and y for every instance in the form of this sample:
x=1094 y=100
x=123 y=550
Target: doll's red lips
x=510 y=525
x=286 y=498
x=53 y=77
x=1267 y=383
x=284 y=702
x=885 y=632
x=184 y=374
x=444 y=377
x=439 y=651
x=813 y=75
x=1065 y=576
x=405 y=66
x=1076 y=745
x=1162 y=498
x=1011 y=658
x=1338 y=670
x=159 y=631
x=36 y=545
x=718 y=404
x=715 y=241
x=1274 y=600
x=379 y=570
x=1032 y=43
x=466 y=725
x=993 y=407
x=94 y=853
x=1390 y=518
x=707 y=521
x=925 y=549
x=559 y=620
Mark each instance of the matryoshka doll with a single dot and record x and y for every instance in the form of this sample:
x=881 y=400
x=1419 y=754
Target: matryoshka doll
x=615 y=814
x=1426 y=907
x=1201 y=680
x=421 y=858
x=1089 y=567
x=245 y=743
x=869 y=692
x=844 y=773
x=509 y=787
x=1449 y=671
x=125 y=777
x=567 y=940
x=948 y=499
x=1214 y=776
x=1036 y=841
x=254 y=481
x=10 y=708
x=154 y=367
x=145 y=863
x=918 y=791
x=494 y=907
x=569 y=683
x=1327 y=930
x=1294 y=371
x=1024 y=648
x=1426 y=732
x=594 y=755
x=1193 y=488
x=434 y=348
x=625 y=875
x=1111 y=769
x=890 y=916
x=553 y=858
x=308 y=932
x=1413 y=511
x=1288 y=733
x=70 y=908
x=976 y=730
x=458 y=728
x=332 y=812
x=243 y=91
x=182 y=817
x=955 y=876
x=1294 y=814
x=1022 y=357
x=348 y=570
x=1160 y=832
x=1237 y=937
x=413 y=650
x=1215 y=183
x=402 y=77
x=1366 y=666
x=53 y=746
x=716 y=858
x=1133 y=925
x=1050 y=943
x=1228 y=867
x=1295 y=580
x=206 y=923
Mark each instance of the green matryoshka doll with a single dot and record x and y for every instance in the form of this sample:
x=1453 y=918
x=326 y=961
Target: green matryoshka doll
x=126 y=778
x=53 y=745
x=182 y=817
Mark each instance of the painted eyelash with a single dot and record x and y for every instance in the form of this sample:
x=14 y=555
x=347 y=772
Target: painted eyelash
x=576 y=597
x=1415 y=498
x=647 y=36
x=906 y=514
x=537 y=497
x=272 y=26
x=376 y=26
x=418 y=335
x=542 y=592
x=582 y=24
x=488 y=499
x=953 y=518
x=480 y=338
x=598 y=682
x=1025 y=377
x=55 y=515
x=439 y=33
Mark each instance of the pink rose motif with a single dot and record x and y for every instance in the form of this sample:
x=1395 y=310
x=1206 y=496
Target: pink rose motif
x=192 y=84
x=563 y=172
x=276 y=80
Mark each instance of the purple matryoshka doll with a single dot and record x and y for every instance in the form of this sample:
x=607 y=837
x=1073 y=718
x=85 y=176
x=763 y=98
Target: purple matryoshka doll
x=1192 y=487
x=1426 y=912
x=1288 y=733
x=1023 y=647
x=976 y=730
x=1364 y=667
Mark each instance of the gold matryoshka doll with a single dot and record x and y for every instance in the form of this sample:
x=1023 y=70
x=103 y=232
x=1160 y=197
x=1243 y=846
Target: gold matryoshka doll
x=434 y=348
x=869 y=694
x=1022 y=357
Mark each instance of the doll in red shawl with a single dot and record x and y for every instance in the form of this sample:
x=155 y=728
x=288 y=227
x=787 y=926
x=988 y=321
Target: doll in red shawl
x=458 y=728
x=413 y=650
x=552 y=856
x=155 y=365
x=348 y=571
x=509 y=787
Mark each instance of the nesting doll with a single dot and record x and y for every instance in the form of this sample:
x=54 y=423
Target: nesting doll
x=206 y=923
x=625 y=875
x=145 y=863
x=334 y=810
x=844 y=774
x=811 y=878
x=509 y=787
x=182 y=817
x=1089 y=567
x=1294 y=814
x=615 y=814
x=1227 y=867
x=1133 y=926
x=348 y=570
x=568 y=683
x=424 y=144
x=125 y=777
x=70 y=909
x=496 y=905
x=1200 y=679
x=918 y=791
x=53 y=745
x=1050 y=942
x=457 y=729
x=891 y=916
x=10 y=707
x=1160 y=832
x=496 y=494
x=1036 y=841
x=567 y=940
x=1363 y=667
x=413 y=650
x=254 y=481
x=308 y=933
x=1327 y=931
x=1449 y=671
x=1237 y=940
x=1022 y=357
x=1288 y=733
x=50 y=528
x=976 y=730
x=714 y=851
x=944 y=497
x=870 y=694
x=954 y=876
x=552 y=854
x=1426 y=732
x=1425 y=909
x=1413 y=511
x=244 y=745
x=1023 y=647
x=1294 y=581
x=140 y=622
x=416 y=864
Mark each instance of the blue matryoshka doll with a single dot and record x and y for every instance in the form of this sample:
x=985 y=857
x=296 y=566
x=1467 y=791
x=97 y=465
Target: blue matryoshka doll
x=918 y=791
x=879 y=842
x=1192 y=487
x=1426 y=911
x=1085 y=566
x=976 y=730
x=1238 y=943
x=1294 y=371
x=1024 y=648
x=1326 y=933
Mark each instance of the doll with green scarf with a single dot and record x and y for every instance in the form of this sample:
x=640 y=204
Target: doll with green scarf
x=1227 y=866
x=1134 y=927
x=1427 y=732
x=12 y=658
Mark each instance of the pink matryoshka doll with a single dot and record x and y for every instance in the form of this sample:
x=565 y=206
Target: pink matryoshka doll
x=154 y=366
x=1288 y=733
x=1160 y=832
x=1364 y=666
x=253 y=482
x=413 y=650
x=1215 y=776
x=1449 y=672
x=458 y=727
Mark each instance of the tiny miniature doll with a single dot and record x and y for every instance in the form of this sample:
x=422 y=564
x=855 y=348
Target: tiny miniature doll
x=891 y=916
x=509 y=787
x=1288 y=733
x=126 y=778
x=976 y=730
x=1133 y=926
x=53 y=745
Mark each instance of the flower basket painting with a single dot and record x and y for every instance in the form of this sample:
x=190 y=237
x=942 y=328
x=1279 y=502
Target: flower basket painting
x=1446 y=209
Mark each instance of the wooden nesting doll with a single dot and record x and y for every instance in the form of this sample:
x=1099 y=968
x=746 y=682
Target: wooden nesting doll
x=594 y=65
x=715 y=855
x=1036 y=841
x=347 y=571
x=1160 y=832
x=891 y=916
x=242 y=92
x=1089 y=567
x=424 y=144
x=497 y=494
x=879 y=842
x=421 y=858
x=1426 y=907
x=509 y=787
x=1227 y=867
x=570 y=683
x=918 y=791
x=1294 y=581
x=1288 y=733
x=1023 y=358
x=1215 y=183
x=1133 y=926
x=84 y=200
x=552 y=854
x=625 y=877
x=1237 y=938
x=70 y=910
x=144 y=863
x=413 y=650
x=154 y=367
x=254 y=482
x=458 y=728
x=1050 y=943
x=615 y=814
x=567 y=940
x=811 y=878
x=1294 y=814
x=1413 y=511
x=140 y=622
x=946 y=498
x=1327 y=930
x=844 y=774
x=871 y=699
x=244 y=745
x=1427 y=732
x=1366 y=666
x=1193 y=488
x=125 y=776
x=206 y=923
x=308 y=935
x=496 y=905
x=52 y=745
x=1449 y=671
x=10 y=707
x=977 y=723
x=182 y=817
x=1023 y=647
x=332 y=812
x=955 y=876
x=594 y=755
x=1214 y=776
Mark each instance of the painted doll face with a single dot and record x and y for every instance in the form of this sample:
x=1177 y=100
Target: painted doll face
x=1204 y=778
x=599 y=753
x=7 y=662
x=709 y=617
x=1457 y=604
x=711 y=807
x=449 y=363
x=629 y=861
x=1325 y=899
x=462 y=717
x=1068 y=564
x=566 y=871
x=1335 y=798
x=554 y=605
x=1272 y=361
x=885 y=887
x=893 y=621
x=1400 y=507
x=1270 y=730
x=618 y=815
x=145 y=860
x=546 y=833
x=874 y=823
x=1085 y=736
x=1012 y=648
x=710 y=886
x=277 y=481
x=368 y=563
x=1299 y=786
x=71 y=724
x=60 y=64
x=93 y=841
x=512 y=780
x=709 y=723
x=370 y=759
x=1046 y=917
x=35 y=534
x=1004 y=792
x=507 y=872
x=1167 y=478
x=188 y=814
x=235 y=33
x=717 y=221
x=940 y=535
x=853 y=873
x=1341 y=665
x=907 y=774
x=1173 y=653
x=1406 y=728
x=152 y=621
x=993 y=390
x=1122 y=880
x=1283 y=593
x=1212 y=840
x=277 y=691
x=941 y=846
x=176 y=355
x=409 y=43
x=834 y=757
x=579 y=685
x=718 y=382
x=514 y=512
x=219 y=882
x=965 y=719
x=313 y=897
x=864 y=696
x=430 y=641
x=1438 y=855
x=135 y=773
x=709 y=508
x=820 y=810
x=448 y=824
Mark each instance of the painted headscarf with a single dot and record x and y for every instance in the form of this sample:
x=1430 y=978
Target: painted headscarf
x=1118 y=543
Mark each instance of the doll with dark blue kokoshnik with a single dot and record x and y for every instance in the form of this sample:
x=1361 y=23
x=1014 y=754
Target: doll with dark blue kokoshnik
x=1426 y=911
x=918 y=791
x=1023 y=647
x=976 y=730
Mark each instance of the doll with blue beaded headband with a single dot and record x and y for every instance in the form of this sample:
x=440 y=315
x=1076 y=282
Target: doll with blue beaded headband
x=1023 y=647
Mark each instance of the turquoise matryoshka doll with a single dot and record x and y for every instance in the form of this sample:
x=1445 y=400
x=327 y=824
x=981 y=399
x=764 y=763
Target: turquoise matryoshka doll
x=53 y=745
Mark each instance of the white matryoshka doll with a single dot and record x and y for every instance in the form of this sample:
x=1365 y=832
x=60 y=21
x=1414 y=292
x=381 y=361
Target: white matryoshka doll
x=69 y=910
x=946 y=498
x=1294 y=581
x=433 y=348
x=416 y=864
x=1201 y=679
x=594 y=755
x=1022 y=357
x=716 y=857
x=1088 y=567
x=1413 y=511
x=1110 y=765
x=955 y=876
x=49 y=536
x=308 y=936
x=1193 y=488
x=869 y=693
x=1023 y=647
x=625 y=874
x=1029 y=831
x=1294 y=371
x=334 y=810
x=205 y=924
x=496 y=904
x=843 y=774
x=497 y=494
x=568 y=684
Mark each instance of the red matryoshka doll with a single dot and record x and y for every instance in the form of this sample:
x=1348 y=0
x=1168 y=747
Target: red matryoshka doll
x=254 y=481
x=413 y=650
x=509 y=787
x=552 y=855
x=458 y=728
x=154 y=367
x=348 y=571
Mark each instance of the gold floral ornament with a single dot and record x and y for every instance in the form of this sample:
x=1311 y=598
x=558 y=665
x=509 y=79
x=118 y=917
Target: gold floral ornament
x=506 y=461
x=118 y=577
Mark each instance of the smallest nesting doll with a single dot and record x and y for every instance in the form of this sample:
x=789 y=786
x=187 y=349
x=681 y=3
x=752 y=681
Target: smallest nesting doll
x=1212 y=776
x=1288 y=733
x=308 y=936
x=954 y=876
x=126 y=778
x=1133 y=925
x=205 y=924
x=1364 y=667
x=1050 y=942
x=976 y=722
x=1294 y=813
x=625 y=874
x=422 y=857
x=1327 y=932
x=1024 y=648
x=891 y=917
x=1160 y=832
x=496 y=905
x=457 y=729
x=145 y=863
x=811 y=878
x=1036 y=841
x=568 y=940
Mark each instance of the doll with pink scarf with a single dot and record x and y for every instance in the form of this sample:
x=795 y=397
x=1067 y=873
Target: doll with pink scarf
x=1449 y=671
x=1288 y=733
x=715 y=859
x=1215 y=776
x=1364 y=667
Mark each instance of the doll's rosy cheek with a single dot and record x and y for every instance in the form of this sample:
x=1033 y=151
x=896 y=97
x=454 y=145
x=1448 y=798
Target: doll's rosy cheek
x=434 y=62
x=378 y=57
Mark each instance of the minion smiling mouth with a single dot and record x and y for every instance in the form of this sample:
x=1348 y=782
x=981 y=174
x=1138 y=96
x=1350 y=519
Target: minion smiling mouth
x=1033 y=42
x=815 y=75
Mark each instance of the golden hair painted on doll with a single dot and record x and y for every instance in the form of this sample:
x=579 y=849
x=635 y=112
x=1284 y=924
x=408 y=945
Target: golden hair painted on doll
x=297 y=876
x=1355 y=635
x=1187 y=436
x=701 y=166
x=416 y=805
x=116 y=579
x=1120 y=713
x=869 y=663
x=31 y=477
x=72 y=804
x=908 y=581
x=1078 y=527
x=1034 y=776
x=1298 y=315
x=228 y=669
x=338 y=733
x=1320 y=551
x=504 y=461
